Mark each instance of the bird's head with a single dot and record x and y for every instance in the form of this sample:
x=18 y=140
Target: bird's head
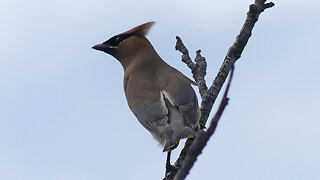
x=126 y=44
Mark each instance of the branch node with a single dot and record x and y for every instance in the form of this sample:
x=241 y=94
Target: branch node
x=269 y=5
x=193 y=146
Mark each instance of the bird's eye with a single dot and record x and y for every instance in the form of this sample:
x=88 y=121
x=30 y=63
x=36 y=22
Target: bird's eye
x=118 y=39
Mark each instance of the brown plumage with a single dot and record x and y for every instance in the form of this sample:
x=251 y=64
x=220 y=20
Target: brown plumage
x=160 y=96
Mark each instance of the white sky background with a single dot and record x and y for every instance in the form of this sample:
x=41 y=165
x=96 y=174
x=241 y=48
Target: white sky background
x=63 y=113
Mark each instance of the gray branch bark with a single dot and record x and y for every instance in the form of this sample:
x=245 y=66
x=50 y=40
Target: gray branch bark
x=193 y=146
x=198 y=69
x=203 y=137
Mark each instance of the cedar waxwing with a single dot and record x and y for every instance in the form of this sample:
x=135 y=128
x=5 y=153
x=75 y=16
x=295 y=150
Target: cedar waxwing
x=159 y=96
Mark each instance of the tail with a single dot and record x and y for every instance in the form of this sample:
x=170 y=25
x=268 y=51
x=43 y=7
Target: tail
x=179 y=129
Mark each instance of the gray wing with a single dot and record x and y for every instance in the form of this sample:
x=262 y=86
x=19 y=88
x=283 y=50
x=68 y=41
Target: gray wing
x=168 y=114
x=154 y=117
x=185 y=99
x=166 y=122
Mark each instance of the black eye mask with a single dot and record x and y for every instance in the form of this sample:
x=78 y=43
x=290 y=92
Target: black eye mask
x=116 y=40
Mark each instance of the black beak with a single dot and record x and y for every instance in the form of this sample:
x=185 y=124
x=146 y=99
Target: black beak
x=102 y=47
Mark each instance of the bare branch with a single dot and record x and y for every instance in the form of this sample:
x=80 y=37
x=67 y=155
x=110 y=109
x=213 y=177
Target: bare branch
x=202 y=70
x=189 y=153
x=224 y=100
x=198 y=69
x=234 y=53
x=202 y=137
x=185 y=55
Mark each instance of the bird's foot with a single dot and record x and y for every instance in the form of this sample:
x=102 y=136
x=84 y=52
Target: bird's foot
x=170 y=169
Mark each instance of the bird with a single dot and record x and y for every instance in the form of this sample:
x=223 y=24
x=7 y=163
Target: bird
x=160 y=96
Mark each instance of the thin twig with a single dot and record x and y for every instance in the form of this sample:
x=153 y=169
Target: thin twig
x=234 y=53
x=209 y=95
x=198 y=69
x=202 y=137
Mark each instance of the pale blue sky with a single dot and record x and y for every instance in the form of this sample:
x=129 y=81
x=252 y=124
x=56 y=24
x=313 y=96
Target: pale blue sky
x=63 y=113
